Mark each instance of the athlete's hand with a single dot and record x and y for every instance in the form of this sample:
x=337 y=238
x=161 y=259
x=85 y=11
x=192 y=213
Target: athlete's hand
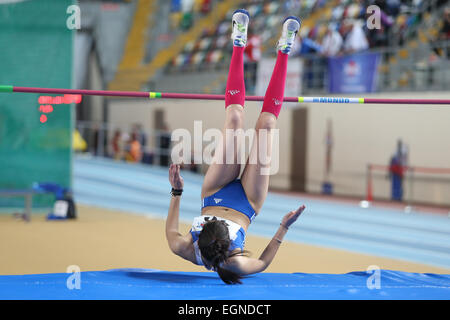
x=176 y=181
x=292 y=216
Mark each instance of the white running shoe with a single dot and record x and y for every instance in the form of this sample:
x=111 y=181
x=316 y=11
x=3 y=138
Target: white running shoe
x=291 y=25
x=240 y=20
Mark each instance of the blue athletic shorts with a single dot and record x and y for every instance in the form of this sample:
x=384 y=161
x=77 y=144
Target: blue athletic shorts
x=231 y=196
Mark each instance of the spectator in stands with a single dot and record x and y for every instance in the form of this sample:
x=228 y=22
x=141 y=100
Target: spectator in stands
x=379 y=36
x=309 y=45
x=392 y=7
x=175 y=14
x=344 y=29
x=355 y=39
x=175 y=5
x=444 y=35
x=97 y=141
x=332 y=42
x=147 y=157
x=397 y=167
x=141 y=136
x=205 y=7
x=124 y=145
x=79 y=144
x=163 y=143
x=134 y=153
x=94 y=139
x=187 y=8
x=252 y=55
x=445 y=31
x=117 y=150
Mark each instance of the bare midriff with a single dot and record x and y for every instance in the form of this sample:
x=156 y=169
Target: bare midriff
x=229 y=214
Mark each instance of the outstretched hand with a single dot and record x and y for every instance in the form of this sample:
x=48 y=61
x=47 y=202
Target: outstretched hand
x=292 y=216
x=176 y=181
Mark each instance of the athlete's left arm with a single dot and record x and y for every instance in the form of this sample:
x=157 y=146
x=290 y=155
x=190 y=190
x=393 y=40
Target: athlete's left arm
x=245 y=265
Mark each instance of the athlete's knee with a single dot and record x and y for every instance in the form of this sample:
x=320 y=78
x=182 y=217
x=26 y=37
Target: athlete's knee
x=234 y=118
x=267 y=121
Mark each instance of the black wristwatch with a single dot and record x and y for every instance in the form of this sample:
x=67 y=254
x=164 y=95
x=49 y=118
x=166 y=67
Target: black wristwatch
x=176 y=192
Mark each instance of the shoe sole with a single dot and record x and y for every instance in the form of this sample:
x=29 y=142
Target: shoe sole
x=293 y=18
x=242 y=11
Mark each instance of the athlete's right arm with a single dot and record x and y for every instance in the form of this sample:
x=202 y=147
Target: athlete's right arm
x=178 y=244
x=174 y=238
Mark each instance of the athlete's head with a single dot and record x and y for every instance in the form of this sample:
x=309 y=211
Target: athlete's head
x=214 y=242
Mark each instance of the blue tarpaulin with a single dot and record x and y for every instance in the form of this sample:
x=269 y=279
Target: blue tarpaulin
x=164 y=285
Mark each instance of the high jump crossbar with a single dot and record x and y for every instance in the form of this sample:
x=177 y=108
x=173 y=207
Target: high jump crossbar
x=164 y=95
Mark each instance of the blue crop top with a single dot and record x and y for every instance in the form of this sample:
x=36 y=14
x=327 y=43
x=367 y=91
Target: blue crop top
x=237 y=234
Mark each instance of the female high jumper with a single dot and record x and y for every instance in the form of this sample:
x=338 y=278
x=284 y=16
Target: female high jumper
x=229 y=204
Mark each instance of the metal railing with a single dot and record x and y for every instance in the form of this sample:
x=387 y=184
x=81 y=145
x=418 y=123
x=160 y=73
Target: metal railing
x=402 y=68
x=414 y=177
x=162 y=32
x=155 y=144
x=424 y=68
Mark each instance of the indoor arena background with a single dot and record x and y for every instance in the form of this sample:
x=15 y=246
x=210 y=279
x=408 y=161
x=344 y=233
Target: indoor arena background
x=375 y=178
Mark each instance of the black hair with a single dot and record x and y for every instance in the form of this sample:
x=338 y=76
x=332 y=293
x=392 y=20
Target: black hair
x=214 y=242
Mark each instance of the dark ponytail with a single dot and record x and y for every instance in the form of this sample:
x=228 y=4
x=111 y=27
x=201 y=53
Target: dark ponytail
x=214 y=242
x=227 y=276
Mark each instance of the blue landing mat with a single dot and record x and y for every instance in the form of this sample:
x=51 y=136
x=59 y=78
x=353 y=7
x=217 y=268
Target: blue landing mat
x=164 y=285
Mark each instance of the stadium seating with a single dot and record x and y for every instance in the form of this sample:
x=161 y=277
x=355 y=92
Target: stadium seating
x=206 y=44
x=216 y=46
x=400 y=26
x=134 y=74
